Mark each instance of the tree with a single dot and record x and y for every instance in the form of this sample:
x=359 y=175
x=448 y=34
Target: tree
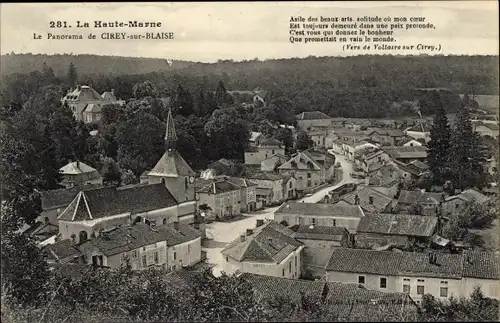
x=24 y=271
x=438 y=155
x=303 y=142
x=48 y=74
x=466 y=153
x=144 y=89
x=222 y=97
x=72 y=76
x=111 y=173
x=183 y=103
x=128 y=177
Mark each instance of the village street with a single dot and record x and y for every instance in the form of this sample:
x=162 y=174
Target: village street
x=221 y=233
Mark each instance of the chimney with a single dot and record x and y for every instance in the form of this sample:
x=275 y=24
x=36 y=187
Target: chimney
x=270 y=240
x=356 y=200
x=176 y=225
x=242 y=238
x=113 y=91
x=249 y=232
x=259 y=223
x=77 y=164
x=78 y=87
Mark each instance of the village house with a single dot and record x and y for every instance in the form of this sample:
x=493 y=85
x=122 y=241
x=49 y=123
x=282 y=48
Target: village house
x=264 y=197
x=223 y=197
x=412 y=170
x=442 y=275
x=269 y=249
x=171 y=246
x=330 y=215
x=289 y=187
x=395 y=230
x=55 y=201
x=350 y=147
x=335 y=194
x=94 y=211
x=248 y=193
x=419 y=131
x=272 y=163
x=86 y=104
x=267 y=148
x=348 y=302
x=310 y=168
x=386 y=137
x=370 y=159
x=79 y=174
x=41 y=231
x=62 y=252
x=418 y=202
x=306 y=120
x=173 y=171
x=406 y=154
x=386 y=175
x=319 y=138
x=369 y=199
x=458 y=203
x=412 y=143
x=256 y=138
x=485 y=129
x=318 y=242
x=224 y=166
x=269 y=185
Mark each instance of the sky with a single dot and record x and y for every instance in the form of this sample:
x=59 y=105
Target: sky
x=208 y=31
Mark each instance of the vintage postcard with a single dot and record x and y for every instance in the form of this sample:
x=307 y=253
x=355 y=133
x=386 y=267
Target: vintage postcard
x=249 y=161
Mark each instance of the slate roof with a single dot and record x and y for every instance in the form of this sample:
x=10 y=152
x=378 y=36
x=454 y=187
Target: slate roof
x=419 y=197
x=171 y=164
x=398 y=152
x=42 y=230
x=312 y=115
x=469 y=196
x=108 y=201
x=109 y=96
x=413 y=168
x=254 y=135
x=271 y=242
x=314 y=232
x=398 y=224
x=380 y=200
x=83 y=93
x=303 y=159
x=124 y=239
x=395 y=263
x=481 y=265
x=219 y=187
x=61 y=249
x=420 y=127
x=320 y=209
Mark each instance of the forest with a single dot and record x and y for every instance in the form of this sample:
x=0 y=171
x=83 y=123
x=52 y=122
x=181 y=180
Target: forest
x=359 y=86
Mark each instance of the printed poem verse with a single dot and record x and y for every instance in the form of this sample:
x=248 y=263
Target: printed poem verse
x=367 y=33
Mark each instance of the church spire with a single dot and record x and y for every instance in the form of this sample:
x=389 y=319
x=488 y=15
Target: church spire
x=170 y=135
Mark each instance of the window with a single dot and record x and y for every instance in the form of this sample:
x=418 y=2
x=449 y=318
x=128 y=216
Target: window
x=309 y=183
x=444 y=282
x=313 y=221
x=295 y=261
x=290 y=185
x=383 y=282
x=308 y=175
x=164 y=221
x=406 y=289
x=189 y=248
x=361 y=279
x=290 y=267
x=227 y=259
x=334 y=223
x=420 y=290
x=370 y=199
x=143 y=248
x=443 y=292
x=406 y=279
x=144 y=260
x=420 y=280
x=173 y=267
x=175 y=255
x=157 y=259
x=124 y=257
x=134 y=253
x=283 y=272
x=186 y=183
x=273 y=152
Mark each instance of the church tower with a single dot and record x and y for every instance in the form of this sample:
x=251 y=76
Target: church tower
x=172 y=169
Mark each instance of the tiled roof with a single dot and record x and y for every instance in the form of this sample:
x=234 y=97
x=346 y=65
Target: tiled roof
x=380 y=200
x=219 y=187
x=75 y=168
x=314 y=232
x=420 y=127
x=238 y=181
x=266 y=176
x=397 y=152
x=172 y=164
x=469 y=196
x=42 y=230
x=109 y=96
x=419 y=197
x=124 y=239
x=61 y=250
x=271 y=242
x=395 y=263
x=398 y=224
x=320 y=209
x=254 y=135
x=108 y=201
x=312 y=115
x=62 y=197
x=481 y=265
x=271 y=142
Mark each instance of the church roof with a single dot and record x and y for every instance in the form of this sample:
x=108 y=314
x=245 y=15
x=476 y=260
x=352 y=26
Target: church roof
x=171 y=164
